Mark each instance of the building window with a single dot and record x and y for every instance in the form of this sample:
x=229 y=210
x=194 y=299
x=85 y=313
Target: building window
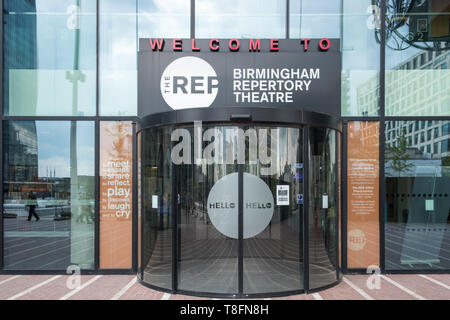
x=240 y=19
x=427 y=30
x=118 y=58
x=48 y=192
x=49 y=58
x=417 y=206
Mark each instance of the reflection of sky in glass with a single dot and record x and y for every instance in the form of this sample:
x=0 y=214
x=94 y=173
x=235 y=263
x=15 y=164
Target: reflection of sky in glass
x=118 y=61
x=53 y=143
x=240 y=19
x=315 y=19
x=360 y=50
x=56 y=42
x=164 y=18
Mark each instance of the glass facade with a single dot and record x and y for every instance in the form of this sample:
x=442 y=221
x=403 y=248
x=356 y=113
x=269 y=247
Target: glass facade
x=70 y=70
x=417 y=197
x=49 y=58
x=418 y=59
x=48 y=194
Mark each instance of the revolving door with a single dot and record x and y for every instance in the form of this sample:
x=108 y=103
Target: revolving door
x=239 y=202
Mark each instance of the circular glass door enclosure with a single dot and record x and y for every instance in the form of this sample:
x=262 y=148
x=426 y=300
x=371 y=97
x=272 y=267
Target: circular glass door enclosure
x=239 y=202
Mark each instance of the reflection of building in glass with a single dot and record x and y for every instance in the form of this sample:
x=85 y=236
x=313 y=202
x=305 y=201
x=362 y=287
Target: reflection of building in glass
x=429 y=139
x=412 y=88
x=20 y=158
x=20 y=42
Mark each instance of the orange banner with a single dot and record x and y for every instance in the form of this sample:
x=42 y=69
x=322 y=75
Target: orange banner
x=363 y=163
x=116 y=195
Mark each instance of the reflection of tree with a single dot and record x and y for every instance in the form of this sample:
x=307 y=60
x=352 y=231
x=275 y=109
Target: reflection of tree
x=446 y=166
x=398 y=15
x=397 y=156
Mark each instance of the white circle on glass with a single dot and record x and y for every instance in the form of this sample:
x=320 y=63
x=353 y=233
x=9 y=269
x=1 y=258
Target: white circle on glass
x=189 y=82
x=223 y=201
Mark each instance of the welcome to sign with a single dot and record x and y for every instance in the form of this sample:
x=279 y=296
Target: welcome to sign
x=191 y=73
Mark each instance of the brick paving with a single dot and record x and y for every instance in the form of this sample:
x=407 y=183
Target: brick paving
x=123 y=287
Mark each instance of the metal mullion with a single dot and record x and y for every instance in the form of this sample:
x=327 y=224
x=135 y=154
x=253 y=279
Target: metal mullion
x=1 y=134
x=240 y=229
x=344 y=206
x=306 y=208
x=174 y=191
x=97 y=60
x=338 y=204
x=287 y=19
x=48 y=118
x=375 y=118
x=192 y=18
x=381 y=136
x=141 y=199
x=134 y=194
x=419 y=118
x=97 y=198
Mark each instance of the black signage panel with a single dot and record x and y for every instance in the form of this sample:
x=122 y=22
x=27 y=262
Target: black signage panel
x=175 y=74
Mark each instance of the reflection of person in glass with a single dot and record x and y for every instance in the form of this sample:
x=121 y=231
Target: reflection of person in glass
x=32 y=206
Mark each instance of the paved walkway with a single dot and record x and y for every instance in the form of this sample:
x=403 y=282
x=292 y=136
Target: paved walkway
x=125 y=287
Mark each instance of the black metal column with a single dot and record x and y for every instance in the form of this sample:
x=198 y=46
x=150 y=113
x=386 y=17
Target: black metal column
x=1 y=134
x=381 y=142
x=306 y=208
x=135 y=199
x=241 y=229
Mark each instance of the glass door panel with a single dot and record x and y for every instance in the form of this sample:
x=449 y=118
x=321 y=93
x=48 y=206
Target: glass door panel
x=208 y=212
x=272 y=209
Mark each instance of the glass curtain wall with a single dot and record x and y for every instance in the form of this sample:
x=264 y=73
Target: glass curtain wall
x=240 y=19
x=417 y=210
x=416 y=164
x=417 y=58
x=117 y=58
x=360 y=49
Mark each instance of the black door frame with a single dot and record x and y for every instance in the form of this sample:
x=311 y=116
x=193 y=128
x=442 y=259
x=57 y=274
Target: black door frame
x=238 y=116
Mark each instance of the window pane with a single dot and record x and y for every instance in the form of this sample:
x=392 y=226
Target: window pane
x=315 y=19
x=48 y=178
x=164 y=19
x=417 y=201
x=118 y=60
x=157 y=177
x=49 y=57
x=240 y=19
x=418 y=59
x=360 y=58
x=322 y=210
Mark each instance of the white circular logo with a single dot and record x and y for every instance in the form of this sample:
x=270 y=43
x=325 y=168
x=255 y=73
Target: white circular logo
x=189 y=82
x=356 y=240
x=223 y=205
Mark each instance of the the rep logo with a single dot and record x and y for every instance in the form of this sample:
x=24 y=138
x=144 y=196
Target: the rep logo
x=189 y=82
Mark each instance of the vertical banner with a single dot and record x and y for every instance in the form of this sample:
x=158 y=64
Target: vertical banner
x=363 y=238
x=115 y=195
